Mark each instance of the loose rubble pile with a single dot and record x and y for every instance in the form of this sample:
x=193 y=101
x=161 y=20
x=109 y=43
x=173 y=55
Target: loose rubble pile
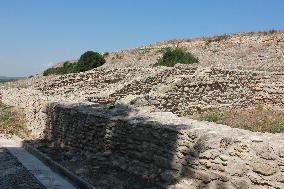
x=131 y=121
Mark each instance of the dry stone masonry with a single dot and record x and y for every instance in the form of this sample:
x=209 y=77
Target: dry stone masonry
x=162 y=148
x=132 y=119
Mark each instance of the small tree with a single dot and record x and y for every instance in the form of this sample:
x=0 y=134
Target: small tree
x=177 y=55
x=88 y=61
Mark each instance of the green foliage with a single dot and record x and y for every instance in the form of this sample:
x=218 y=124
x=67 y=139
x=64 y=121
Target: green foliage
x=89 y=60
x=214 y=116
x=117 y=56
x=275 y=126
x=164 y=49
x=173 y=56
x=66 y=68
x=105 y=54
x=5 y=81
x=269 y=31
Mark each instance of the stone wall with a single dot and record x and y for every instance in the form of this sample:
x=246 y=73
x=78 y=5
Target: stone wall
x=186 y=90
x=98 y=82
x=32 y=103
x=214 y=88
x=164 y=149
x=183 y=89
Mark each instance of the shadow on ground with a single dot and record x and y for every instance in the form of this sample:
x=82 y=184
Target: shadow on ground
x=14 y=175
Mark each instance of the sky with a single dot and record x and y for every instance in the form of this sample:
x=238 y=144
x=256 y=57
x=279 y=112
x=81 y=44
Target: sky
x=34 y=34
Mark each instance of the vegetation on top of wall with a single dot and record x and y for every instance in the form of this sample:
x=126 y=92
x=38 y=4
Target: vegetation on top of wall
x=257 y=119
x=172 y=56
x=89 y=60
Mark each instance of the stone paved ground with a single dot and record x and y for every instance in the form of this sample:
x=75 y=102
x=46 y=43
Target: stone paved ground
x=13 y=175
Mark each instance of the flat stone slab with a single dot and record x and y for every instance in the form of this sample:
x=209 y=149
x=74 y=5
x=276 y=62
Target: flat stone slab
x=36 y=174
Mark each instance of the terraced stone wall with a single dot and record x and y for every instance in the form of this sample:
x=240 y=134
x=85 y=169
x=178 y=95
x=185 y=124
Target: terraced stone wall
x=183 y=90
x=161 y=149
x=166 y=151
x=218 y=88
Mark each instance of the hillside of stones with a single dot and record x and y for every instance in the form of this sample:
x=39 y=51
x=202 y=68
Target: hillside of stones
x=229 y=74
x=262 y=51
x=248 y=51
x=125 y=123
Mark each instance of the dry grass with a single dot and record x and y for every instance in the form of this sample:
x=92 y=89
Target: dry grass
x=12 y=122
x=216 y=38
x=257 y=119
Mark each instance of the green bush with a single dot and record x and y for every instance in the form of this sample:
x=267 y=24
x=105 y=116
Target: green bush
x=105 y=54
x=172 y=56
x=214 y=116
x=269 y=31
x=66 y=68
x=89 y=60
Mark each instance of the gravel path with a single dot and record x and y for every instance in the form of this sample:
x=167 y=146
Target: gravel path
x=13 y=175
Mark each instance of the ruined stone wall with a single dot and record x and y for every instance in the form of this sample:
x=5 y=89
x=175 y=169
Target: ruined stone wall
x=87 y=85
x=160 y=148
x=32 y=103
x=163 y=149
x=185 y=90
x=218 y=88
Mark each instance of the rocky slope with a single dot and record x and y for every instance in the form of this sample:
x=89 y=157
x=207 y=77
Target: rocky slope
x=128 y=121
x=254 y=51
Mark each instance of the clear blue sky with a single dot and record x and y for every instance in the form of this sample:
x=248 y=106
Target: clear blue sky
x=37 y=33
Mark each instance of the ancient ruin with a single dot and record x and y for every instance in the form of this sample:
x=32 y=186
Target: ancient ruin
x=133 y=121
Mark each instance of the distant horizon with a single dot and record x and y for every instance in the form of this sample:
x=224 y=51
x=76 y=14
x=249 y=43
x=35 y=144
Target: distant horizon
x=38 y=35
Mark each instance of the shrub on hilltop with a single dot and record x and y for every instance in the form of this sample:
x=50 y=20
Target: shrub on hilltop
x=172 y=56
x=89 y=60
x=66 y=68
